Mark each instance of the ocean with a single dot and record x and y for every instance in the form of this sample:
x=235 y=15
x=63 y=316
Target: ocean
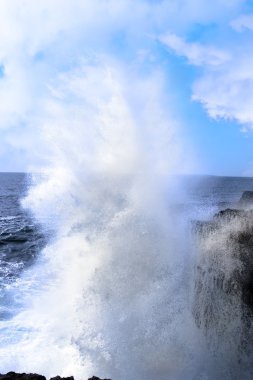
x=111 y=297
x=20 y=237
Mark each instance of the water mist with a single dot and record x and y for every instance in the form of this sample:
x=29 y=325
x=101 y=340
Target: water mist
x=109 y=295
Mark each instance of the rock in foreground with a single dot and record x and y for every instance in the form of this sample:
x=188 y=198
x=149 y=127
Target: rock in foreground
x=35 y=376
x=21 y=376
x=223 y=294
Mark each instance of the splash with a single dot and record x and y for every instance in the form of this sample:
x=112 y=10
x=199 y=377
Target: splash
x=108 y=295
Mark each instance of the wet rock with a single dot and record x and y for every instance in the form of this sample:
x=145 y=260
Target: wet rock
x=221 y=218
x=246 y=199
x=230 y=213
x=34 y=376
x=223 y=305
x=21 y=376
x=62 y=378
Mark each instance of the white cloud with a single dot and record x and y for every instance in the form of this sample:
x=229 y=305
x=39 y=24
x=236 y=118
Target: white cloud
x=225 y=85
x=196 y=53
x=243 y=22
x=227 y=92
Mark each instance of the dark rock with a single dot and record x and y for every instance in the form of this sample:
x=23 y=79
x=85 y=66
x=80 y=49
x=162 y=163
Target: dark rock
x=224 y=277
x=62 y=378
x=21 y=376
x=34 y=376
x=246 y=199
x=230 y=213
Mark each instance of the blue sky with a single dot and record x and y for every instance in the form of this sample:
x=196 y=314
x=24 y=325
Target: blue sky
x=187 y=62
x=219 y=144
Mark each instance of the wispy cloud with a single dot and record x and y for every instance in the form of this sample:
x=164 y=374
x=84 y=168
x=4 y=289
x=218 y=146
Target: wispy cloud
x=224 y=85
x=195 y=53
x=243 y=22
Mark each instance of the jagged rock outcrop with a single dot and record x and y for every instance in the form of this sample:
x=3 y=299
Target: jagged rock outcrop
x=223 y=301
x=35 y=376
x=246 y=199
x=21 y=376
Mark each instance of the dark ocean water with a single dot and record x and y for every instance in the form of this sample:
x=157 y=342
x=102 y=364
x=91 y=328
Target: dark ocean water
x=216 y=191
x=20 y=237
x=206 y=195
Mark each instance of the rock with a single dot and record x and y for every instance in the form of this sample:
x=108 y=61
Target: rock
x=223 y=301
x=34 y=376
x=62 y=378
x=230 y=213
x=21 y=376
x=246 y=199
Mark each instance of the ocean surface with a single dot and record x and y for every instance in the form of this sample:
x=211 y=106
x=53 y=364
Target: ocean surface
x=20 y=237
x=22 y=241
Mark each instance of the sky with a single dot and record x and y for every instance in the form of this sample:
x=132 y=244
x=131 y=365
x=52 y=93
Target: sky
x=184 y=65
